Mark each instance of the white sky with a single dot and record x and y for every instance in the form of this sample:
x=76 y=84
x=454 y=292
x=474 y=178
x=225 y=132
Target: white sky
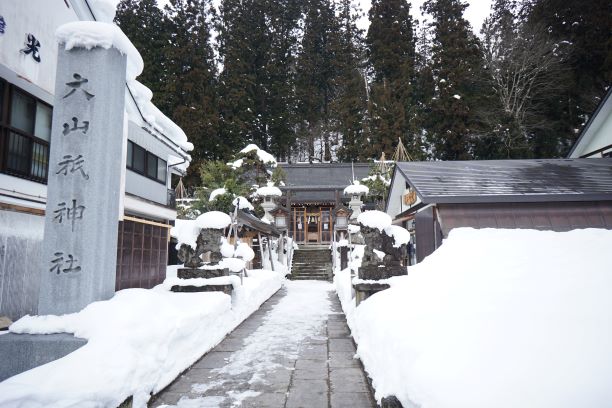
x=476 y=12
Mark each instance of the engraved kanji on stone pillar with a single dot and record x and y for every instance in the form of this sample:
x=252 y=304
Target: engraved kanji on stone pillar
x=84 y=186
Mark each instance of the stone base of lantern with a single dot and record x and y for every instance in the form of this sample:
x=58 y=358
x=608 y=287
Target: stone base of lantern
x=189 y=273
x=365 y=290
x=227 y=289
x=378 y=272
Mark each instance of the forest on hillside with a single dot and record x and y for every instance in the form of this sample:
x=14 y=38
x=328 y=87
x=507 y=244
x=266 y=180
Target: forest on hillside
x=302 y=81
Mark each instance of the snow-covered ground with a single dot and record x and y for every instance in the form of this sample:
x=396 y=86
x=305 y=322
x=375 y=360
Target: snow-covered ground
x=493 y=318
x=138 y=342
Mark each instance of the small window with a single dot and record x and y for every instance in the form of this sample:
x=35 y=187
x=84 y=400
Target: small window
x=23 y=112
x=161 y=170
x=151 y=165
x=42 y=126
x=130 y=154
x=139 y=155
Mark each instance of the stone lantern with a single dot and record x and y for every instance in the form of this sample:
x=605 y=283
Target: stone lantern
x=269 y=195
x=356 y=191
x=281 y=217
x=281 y=222
x=341 y=217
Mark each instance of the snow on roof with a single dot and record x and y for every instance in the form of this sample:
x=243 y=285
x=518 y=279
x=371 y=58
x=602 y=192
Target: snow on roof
x=264 y=156
x=243 y=203
x=374 y=219
x=91 y=34
x=216 y=192
x=269 y=191
x=356 y=188
x=400 y=235
x=178 y=163
x=103 y=10
x=159 y=121
x=214 y=220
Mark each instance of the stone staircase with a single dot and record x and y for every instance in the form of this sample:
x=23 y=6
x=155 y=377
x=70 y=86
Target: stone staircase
x=311 y=263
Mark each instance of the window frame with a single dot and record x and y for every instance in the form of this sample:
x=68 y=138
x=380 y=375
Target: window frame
x=147 y=157
x=34 y=145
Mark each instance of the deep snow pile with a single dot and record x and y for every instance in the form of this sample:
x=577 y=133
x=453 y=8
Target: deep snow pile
x=493 y=318
x=138 y=342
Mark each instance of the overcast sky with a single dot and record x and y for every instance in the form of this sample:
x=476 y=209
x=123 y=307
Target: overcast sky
x=476 y=12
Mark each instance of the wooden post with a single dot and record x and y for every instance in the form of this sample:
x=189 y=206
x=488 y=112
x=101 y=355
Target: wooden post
x=270 y=252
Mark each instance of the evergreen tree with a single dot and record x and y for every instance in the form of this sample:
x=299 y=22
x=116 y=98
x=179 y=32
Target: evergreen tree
x=391 y=52
x=456 y=64
x=315 y=73
x=191 y=86
x=146 y=26
x=350 y=103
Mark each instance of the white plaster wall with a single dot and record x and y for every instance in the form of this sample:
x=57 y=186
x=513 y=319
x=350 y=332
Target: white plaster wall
x=602 y=136
x=40 y=18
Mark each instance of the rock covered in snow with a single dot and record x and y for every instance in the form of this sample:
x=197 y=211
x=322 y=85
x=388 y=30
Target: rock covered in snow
x=400 y=235
x=356 y=189
x=186 y=232
x=264 y=156
x=91 y=34
x=213 y=220
x=374 y=219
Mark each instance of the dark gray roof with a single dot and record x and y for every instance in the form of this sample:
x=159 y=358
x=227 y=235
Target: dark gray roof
x=256 y=224
x=510 y=180
x=318 y=182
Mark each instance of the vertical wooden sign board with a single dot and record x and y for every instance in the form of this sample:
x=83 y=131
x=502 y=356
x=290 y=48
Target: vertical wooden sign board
x=84 y=187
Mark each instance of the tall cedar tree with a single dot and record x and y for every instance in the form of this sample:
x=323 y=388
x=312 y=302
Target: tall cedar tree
x=457 y=66
x=191 y=85
x=315 y=73
x=350 y=104
x=145 y=25
x=582 y=32
x=391 y=52
x=256 y=43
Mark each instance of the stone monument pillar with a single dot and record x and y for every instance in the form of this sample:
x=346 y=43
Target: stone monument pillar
x=84 y=185
x=79 y=250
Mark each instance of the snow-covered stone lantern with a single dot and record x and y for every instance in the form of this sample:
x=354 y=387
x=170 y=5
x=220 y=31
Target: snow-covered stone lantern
x=269 y=195
x=356 y=191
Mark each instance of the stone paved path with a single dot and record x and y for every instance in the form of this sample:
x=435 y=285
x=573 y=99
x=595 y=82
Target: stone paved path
x=295 y=351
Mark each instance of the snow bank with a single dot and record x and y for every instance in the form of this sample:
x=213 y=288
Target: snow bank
x=138 y=342
x=356 y=189
x=269 y=191
x=374 y=219
x=213 y=219
x=91 y=34
x=264 y=156
x=493 y=318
